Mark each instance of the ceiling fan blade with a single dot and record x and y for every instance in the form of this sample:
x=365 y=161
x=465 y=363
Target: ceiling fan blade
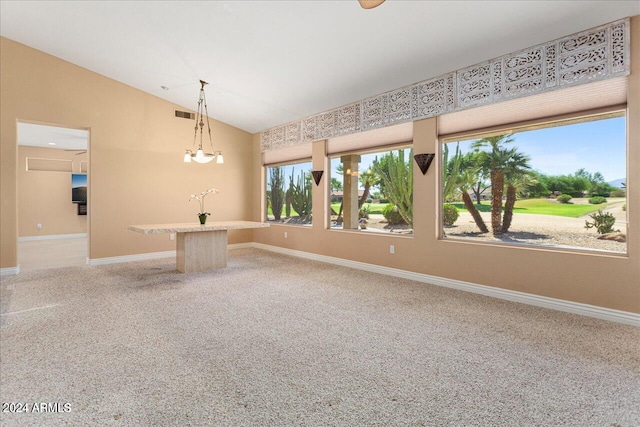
x=370 y=4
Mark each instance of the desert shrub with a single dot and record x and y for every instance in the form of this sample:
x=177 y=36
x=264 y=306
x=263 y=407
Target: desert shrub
x=597 y=200
x=449 y=214
x=602 y=222
x=564 y=198
x=364 y=212
x=392 y=215
x=624 y=207
x=369 y=200
x=618 y=193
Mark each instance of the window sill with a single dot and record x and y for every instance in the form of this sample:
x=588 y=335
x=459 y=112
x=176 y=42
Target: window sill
x=571 y=250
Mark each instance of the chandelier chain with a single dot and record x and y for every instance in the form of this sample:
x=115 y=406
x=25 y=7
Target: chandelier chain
x=198 y=154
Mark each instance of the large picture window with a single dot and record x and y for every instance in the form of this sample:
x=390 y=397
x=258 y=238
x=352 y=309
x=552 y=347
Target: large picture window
x=372 y=191
x=560 y=184
x=289 y=193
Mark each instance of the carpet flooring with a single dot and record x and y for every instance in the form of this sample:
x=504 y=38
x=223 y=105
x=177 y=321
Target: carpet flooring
x=279 y=341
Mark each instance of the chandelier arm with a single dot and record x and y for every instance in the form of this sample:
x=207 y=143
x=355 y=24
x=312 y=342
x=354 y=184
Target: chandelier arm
x=201 y=122
x=206 y=111
x=195 y=135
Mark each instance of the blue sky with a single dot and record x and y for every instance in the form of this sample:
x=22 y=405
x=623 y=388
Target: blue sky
x=296 y=169
x=597 y=146
x=78 y=180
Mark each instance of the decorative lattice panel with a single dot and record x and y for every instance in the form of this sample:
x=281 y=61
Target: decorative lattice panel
x=348 y=119
x=591 y=55
x=292 y=134
x=373 y=112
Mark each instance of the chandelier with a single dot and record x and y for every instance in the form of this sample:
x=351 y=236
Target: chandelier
x=200 y=155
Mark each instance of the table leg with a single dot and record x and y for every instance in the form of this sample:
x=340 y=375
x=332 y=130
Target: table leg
x=201 y=251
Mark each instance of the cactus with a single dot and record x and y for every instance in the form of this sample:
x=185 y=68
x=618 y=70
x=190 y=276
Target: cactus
x=301 y=194
x=603 y=222
x=276 y=193
x=398 y=182
x=287 y=200
x=450 y=171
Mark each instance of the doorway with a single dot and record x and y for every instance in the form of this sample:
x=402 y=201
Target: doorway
x=53 y=222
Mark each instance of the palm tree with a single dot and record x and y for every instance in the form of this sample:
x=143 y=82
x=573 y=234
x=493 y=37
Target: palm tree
x=516 y=172
x=461 y=173
x=368 y=179
x=494 y=161
x=467 y=178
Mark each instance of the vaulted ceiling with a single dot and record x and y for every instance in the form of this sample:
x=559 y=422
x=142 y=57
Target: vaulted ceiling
x=272 y=62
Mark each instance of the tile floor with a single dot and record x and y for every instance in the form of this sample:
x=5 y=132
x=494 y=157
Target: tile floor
x=54 y=253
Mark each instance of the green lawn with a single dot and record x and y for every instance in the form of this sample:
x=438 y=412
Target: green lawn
x=374 y=208
x=284 y=212
x=528 y=206
x=542 y=207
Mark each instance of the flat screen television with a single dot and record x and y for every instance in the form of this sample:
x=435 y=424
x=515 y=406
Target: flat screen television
x=79 y=188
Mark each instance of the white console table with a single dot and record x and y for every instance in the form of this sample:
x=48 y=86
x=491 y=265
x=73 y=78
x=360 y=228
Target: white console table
x=199 y=247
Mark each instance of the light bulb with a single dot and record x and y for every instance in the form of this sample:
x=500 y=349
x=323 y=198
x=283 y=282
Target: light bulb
x=187 y=157
x=219 y=159
x=199 y=154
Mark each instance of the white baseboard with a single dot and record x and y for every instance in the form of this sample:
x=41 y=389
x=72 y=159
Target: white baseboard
x=130 y=258
x=609 y=314
x=247 y=245
x=52 y=237
x=151 y=255
x=9 y=271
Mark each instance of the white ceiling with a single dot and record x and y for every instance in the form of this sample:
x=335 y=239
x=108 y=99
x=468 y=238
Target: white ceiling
x=34 y=135
x=272 y=62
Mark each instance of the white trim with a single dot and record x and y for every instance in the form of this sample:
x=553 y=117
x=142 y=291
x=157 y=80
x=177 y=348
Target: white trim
x=151 y=255
x=9 y=271
x=609 y=314
x=130 y=258
x=52 y=236
x=247 y=245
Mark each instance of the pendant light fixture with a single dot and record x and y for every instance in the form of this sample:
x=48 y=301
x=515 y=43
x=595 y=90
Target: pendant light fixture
x=200 y=155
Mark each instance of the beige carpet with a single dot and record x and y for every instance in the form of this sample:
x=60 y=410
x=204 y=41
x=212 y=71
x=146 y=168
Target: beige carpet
x=279 y=341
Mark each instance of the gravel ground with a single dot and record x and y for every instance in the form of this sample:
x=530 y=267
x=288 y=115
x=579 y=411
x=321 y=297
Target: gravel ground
x=530 y=229
x=540 y=230
x=544 y=230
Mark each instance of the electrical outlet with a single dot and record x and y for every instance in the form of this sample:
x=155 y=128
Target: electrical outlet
x=285 y=235
x=172 y=236
x=39 y=226
x=392 y=249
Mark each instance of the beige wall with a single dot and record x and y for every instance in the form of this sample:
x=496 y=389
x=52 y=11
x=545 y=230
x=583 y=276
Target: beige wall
x=44 y=197
x=136 y=146
x=596 y=279
x=137 y=176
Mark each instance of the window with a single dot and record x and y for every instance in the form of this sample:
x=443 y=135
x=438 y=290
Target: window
x=289 y=193
x=559 y=184
x=372 y=191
